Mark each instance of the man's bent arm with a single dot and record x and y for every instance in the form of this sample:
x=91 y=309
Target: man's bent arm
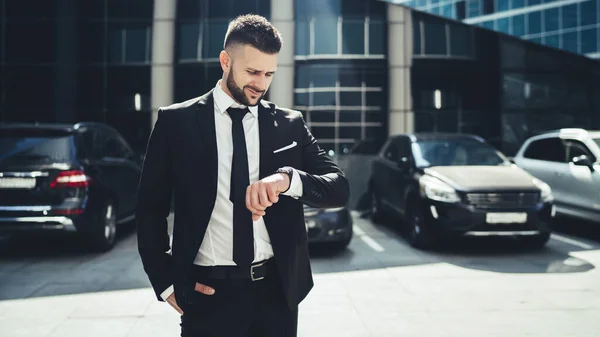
x=153 y=208
x=324 y=185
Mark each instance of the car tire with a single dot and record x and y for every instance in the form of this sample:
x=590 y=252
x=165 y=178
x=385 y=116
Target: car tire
x=103 y=235
x=377 y=215
x=538 y=241
x=419 y=233
x=340 y=245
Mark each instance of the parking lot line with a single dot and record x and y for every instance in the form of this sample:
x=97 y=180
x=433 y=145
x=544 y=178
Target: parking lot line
x=572 y=241
x=367 y=239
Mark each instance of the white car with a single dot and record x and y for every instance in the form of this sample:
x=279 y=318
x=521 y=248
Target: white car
x=567 y=160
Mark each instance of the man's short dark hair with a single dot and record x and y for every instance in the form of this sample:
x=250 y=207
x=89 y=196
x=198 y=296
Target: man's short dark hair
x=253 y=30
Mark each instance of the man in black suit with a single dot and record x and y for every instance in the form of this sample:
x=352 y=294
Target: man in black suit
x=239 y=169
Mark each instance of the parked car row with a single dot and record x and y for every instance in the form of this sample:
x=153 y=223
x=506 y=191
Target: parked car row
x=450 y=185
x=83 y=178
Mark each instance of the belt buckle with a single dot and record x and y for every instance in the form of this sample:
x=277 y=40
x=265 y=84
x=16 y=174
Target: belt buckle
x=252 y=271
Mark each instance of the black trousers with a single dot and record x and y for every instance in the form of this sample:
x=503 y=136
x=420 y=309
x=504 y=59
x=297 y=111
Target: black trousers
x=240 y=308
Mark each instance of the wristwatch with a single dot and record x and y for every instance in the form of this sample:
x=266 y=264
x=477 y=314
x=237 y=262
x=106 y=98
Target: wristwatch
x=289 y=171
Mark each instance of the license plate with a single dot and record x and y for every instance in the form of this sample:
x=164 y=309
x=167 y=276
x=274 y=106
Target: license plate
x=495 y=218
x=25 y=183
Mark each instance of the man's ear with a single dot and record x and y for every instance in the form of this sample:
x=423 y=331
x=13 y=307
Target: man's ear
x=225 y=61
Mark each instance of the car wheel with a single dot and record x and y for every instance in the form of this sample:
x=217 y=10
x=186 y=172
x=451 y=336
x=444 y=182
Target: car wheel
x=104 y=233
x=376 y=210
x=535 y=241
x=419 y=233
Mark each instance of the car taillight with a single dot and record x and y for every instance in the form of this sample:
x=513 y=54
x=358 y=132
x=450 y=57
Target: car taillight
x=71 y=179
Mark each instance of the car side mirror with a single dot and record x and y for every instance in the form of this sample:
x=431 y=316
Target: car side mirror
x=583 y=160
x=403 y=163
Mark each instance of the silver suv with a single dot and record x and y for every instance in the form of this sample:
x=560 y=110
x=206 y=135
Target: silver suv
x=568 y=161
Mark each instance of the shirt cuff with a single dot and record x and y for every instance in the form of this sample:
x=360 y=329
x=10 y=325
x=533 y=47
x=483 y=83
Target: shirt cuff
x=165 y=294
x=295 y=190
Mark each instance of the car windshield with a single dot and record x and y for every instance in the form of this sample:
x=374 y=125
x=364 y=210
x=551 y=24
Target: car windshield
x=37 y=147
x=454 y=152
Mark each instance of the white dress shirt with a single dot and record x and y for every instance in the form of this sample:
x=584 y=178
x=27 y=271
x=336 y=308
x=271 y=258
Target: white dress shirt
x=217 y=246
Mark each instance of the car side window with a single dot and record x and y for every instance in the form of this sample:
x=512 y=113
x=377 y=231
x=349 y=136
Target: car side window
x=576 y=148
x=93 y=142
x=116 y=146
x=547 y=149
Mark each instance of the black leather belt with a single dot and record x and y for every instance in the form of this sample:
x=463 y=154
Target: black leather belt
x=255 y=272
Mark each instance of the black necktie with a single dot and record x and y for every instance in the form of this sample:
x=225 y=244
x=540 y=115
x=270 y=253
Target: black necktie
x=243 y=238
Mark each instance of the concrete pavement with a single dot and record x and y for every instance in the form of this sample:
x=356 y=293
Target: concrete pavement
x=378 y=287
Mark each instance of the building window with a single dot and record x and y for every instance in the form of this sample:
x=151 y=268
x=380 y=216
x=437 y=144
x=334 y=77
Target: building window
x=518 y=25
x=325 y=36
x=341 y=103
x=340 y=38
x=569 y=16
x=473 y=8
x=534 y=23
x=130 y=45
x=589 y=12
x=551 y=20
x=570 y=42
x=441 y=39
x=589 y=40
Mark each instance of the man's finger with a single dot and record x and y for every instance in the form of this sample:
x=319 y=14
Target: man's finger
x=254 y=202
x=273 y=195
x=263 y=197
x=206 y=290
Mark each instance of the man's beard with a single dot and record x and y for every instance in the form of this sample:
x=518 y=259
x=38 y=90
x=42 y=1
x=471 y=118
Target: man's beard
x=238 y=93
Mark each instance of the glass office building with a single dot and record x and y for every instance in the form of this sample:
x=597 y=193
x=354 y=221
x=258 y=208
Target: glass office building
x=572 y=25
x=358 y=70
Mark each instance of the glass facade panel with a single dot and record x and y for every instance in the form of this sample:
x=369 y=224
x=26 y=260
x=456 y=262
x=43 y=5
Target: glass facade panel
x=589 y=40
x=302 y=38
x=502 y=25
x=534 y=23
x=188 y=41
x=323 y=98
x=518 y=25
x=212 y=39
x=551 y=19
x=350 y=98
x=435 y=38
x=326 y=36
x=473 y=8
x=461 y=40
x=353 y=37
x=570 y=42
x=552 y=40
x=377 y=36
x=137 y=45
x=589 y=12
x=569 y=16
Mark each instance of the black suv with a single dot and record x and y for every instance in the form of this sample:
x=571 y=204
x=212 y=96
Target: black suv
x=76 y=178
x=445 y=185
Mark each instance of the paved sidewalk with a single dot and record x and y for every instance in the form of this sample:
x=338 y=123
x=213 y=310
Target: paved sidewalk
x=361 y=292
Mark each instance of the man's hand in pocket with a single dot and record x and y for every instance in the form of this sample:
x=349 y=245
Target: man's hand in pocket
x=201 y=288
x=172 y=302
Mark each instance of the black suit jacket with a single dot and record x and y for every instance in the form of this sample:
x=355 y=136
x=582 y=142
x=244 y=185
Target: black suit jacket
x=181 y=158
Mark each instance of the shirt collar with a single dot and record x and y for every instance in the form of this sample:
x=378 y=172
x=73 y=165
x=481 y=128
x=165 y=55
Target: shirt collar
x=225 y=101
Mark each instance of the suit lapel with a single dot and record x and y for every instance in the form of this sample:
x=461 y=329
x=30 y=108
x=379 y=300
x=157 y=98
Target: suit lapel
x=267 y=130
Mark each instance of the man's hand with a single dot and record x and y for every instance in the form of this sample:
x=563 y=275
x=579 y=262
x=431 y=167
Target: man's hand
x=201 y=288
x=264 y=193
x=172 y=302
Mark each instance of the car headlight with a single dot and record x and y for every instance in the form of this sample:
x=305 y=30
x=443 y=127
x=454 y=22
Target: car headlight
x=545 y=189
x=436 y=189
